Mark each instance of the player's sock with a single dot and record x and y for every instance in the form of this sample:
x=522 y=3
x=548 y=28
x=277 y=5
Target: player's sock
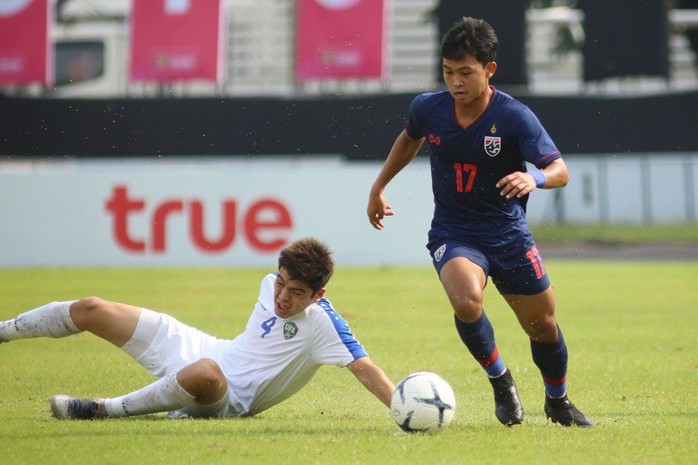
x=551 y=360
x=50 y=320
x=163 y=395
x=478 y=337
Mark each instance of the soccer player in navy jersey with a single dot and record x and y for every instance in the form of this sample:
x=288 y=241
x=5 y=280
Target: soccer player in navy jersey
x=479 y=141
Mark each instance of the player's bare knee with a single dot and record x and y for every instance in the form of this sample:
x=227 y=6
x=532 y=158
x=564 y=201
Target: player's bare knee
x=208 y=371
x=541 y=330
x=85 y=310
x=203 y=379
x=468 y=310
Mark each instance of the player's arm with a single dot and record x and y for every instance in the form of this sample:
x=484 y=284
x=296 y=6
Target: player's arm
x=401 y=154
x=518 y=184
x=373 y=378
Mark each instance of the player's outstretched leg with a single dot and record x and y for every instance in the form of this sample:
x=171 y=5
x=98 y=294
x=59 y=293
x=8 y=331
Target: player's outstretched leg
x=163 y=395
x=563 y=412
x=204 y=378
x=507 y=405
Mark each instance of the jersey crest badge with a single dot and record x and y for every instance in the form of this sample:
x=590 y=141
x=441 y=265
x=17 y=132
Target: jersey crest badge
x=493 y=145
x=290 y=330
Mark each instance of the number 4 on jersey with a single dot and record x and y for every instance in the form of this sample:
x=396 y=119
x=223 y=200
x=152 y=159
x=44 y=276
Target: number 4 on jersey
x=267 y=325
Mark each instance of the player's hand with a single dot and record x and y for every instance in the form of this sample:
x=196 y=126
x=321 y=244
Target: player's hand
x=516 y=184
x=377 y=210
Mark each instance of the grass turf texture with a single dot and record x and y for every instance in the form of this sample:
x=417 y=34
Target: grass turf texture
x=630 y=327
x=616 y=233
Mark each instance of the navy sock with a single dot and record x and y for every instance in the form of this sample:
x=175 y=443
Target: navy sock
x=551 y=360
x=478 y=337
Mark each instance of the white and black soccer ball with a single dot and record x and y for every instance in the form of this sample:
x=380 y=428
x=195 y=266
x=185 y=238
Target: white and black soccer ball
x=423 y=402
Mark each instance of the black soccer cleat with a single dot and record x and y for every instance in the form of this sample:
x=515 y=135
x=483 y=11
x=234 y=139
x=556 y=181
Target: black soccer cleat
x=563 y=412
x=66 y=407
x=507 y=405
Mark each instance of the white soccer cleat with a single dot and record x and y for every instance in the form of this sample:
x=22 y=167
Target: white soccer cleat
x=65 y=407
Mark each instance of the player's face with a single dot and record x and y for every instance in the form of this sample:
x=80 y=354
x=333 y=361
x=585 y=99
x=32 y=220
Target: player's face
x=467 y=79
x=292 y=296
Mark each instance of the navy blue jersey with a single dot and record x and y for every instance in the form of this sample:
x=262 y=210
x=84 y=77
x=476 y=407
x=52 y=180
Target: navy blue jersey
x=466 y=163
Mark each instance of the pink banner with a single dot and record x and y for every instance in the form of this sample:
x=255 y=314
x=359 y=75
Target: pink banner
x=340 y=39
x=25 y=52
x=173 y=40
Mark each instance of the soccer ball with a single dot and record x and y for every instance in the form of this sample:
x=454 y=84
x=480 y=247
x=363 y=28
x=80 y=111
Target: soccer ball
x=423 y=402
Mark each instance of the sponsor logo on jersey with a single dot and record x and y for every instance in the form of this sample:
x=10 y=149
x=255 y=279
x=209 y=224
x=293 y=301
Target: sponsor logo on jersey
x=493 y=145
x=290 y=330
x=436 y=140
x=439 y=254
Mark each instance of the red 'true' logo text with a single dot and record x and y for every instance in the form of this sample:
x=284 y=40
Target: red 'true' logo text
x=261 y=233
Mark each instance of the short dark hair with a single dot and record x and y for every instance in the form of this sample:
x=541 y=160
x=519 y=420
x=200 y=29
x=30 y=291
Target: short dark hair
x=470 y=36
x=308 y=260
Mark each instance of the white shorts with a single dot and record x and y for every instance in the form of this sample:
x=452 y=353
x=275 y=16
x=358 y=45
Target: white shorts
x=164 y=345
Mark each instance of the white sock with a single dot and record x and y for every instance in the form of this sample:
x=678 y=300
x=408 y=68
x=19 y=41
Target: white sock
x=163 y=395
x=50 y=320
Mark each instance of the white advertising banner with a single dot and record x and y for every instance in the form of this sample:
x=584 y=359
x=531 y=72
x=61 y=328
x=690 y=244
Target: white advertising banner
x=196 y=211
x=204 y=212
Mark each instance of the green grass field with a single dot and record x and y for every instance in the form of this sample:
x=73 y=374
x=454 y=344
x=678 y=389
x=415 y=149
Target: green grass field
x=631 y=329
x=617 y=233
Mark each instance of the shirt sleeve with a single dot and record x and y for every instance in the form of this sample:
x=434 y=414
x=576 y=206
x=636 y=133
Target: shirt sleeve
x=413 y=126
x=266 y=292
x=535 y=144
x=333 y=341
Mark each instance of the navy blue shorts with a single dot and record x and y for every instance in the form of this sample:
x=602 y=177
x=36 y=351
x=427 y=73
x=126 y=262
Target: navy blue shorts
x=515 y=268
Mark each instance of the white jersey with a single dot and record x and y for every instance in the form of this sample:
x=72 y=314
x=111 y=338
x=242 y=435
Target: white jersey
x=266 y=364
x=276 y=357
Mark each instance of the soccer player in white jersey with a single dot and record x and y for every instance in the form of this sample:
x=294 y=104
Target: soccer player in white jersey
x=293 y=330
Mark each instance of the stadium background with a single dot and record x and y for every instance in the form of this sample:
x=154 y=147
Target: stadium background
x=291 y=158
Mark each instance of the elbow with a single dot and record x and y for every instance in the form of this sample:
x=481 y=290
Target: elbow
x=564 y=179
x=560 y=174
